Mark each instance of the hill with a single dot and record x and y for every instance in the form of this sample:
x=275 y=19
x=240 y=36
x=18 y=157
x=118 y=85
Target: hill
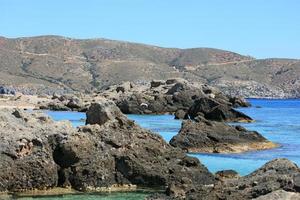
x=52 y=63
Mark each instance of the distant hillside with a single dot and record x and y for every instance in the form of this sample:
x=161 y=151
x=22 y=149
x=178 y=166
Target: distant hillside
x=49 y=63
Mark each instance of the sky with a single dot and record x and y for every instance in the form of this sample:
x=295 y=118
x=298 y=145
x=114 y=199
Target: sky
x=260 y=28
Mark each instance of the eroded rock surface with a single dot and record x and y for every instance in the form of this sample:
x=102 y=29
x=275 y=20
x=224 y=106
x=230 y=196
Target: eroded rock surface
x=140 y=157
x=111 y=151
x=207 y=136
x=215 y=110
x=278 y=174
x=267 y=182
x=175 y=95
x=280 y=195
x=26 y=160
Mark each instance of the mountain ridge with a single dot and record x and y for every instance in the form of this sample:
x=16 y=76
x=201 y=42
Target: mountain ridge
x=44 y=64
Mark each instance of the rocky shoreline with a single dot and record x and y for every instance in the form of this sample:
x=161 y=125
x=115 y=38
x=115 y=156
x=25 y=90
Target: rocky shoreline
x=113 y=153
x=111 y=150
x=198 y=102
x=203 y=136
x=122 y=154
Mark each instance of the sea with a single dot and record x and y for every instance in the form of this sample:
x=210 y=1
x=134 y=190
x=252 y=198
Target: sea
x=277 y=120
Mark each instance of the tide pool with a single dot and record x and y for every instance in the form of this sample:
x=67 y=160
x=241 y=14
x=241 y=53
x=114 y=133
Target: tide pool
x=277 y=120
x=92 y=196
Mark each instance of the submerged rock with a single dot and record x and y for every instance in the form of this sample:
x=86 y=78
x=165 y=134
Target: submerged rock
x=224 y=174
x=217 y=137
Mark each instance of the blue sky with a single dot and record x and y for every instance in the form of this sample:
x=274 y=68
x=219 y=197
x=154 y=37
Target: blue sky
x=261 y=28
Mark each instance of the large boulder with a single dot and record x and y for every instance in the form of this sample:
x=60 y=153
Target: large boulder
x=26 y=160
x=215 y=110
x=141 y=157
x=104 y=111
x=181 y=114
x=239 y=102
x=217 y=137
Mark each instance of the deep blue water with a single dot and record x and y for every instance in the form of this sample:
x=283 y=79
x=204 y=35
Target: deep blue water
x=277 y=120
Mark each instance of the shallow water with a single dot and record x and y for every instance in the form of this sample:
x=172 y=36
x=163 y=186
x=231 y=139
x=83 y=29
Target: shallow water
x=98 y=196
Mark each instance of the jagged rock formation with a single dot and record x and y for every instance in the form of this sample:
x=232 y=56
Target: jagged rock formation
x=66 y=103
x=215 y=110
x=174 y=96
x=160 y=97
x=26 y=160
x=207 y=136
x=274 y=175
x=165 y=97
x=267 y=181
x=48 y=64
x=111 y=151
x=7 y=90
x=280 y=195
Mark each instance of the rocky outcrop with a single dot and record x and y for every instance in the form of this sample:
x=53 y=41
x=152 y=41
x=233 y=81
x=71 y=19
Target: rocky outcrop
x=279 y=174
x=270 y=181
x=216 y=110
x=225 y=174
x=203 y=135
x=26 y=160
x=157 y=98
x=280 y=195
x=239 y=102
x=170 y=96
x=110 y=151
x=65 y=103
x=181 y=114
x=173 y=96
x=141 y=157
x=7 y=90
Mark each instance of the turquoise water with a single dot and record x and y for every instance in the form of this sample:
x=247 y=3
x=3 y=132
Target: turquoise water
x=98 y=196
x=277 y=120
x=77 y=118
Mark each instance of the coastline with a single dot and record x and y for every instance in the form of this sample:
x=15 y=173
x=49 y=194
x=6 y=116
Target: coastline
x=60 y=191
x=235 y=149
